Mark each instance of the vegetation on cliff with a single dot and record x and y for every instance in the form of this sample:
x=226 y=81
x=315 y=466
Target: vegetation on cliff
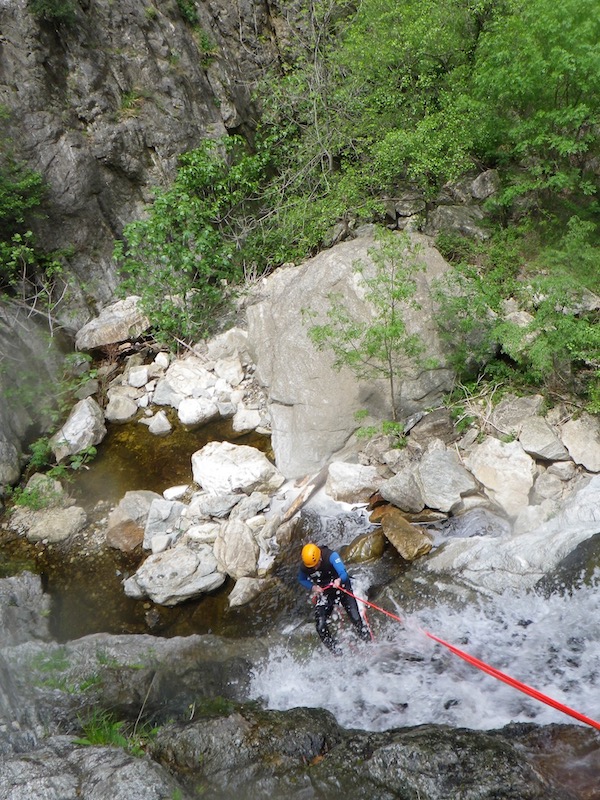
x=373 y=99
x=369 y=100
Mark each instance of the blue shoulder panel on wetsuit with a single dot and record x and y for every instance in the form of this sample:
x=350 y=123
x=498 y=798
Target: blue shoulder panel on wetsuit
x=339 y=567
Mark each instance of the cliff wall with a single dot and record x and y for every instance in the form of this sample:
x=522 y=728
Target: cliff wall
x=102 y=107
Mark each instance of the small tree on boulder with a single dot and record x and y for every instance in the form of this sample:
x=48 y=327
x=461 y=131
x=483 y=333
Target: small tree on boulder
x=378 y=348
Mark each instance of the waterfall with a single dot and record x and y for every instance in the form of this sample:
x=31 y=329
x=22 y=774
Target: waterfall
x=404 y=678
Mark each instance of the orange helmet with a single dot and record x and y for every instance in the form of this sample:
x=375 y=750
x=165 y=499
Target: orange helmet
x=311 y=555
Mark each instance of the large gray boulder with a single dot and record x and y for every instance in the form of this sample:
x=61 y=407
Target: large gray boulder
x=176 y=575
x=312 y=406
x=505 y=470
x=581 y=437
x=222 y=468
x=116 y=323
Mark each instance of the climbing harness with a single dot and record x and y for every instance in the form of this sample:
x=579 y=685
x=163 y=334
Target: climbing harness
x=336 y=615
x=495 y=673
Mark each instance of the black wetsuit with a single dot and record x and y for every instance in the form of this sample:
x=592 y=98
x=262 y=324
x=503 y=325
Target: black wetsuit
x=326 y=571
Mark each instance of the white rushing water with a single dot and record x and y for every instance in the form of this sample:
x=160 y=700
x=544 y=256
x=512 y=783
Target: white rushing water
x=404 y=678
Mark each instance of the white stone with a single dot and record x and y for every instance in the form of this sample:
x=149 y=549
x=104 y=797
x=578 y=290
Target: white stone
x=203 y=532
x=196 y=411
x=175 y=575
x=189 y=377
x=159 y=425
x=245 y=590
x=581 y=437
x=134 y=506
x=222 y=468
x=160 y=543
x=55 y=524
x=236 y=549
x=245 y=419
x=520 y=561
x=506 y=472
x=351 y=483
x=222 y=389
x=539 y=440
x=443 y=479
x=83 y=428
x=118 y=322
x=164 y=517
x=233 y=342
x=138 y=376
x=175 y=492
x=231 y=370
x=121 y=408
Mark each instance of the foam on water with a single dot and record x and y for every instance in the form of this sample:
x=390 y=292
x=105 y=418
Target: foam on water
x=405 y=678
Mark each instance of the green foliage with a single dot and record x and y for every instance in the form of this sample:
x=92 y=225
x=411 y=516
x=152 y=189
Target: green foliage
x=537 y=77
x=382 y=346
x=556 y=347
x=41 y=454
x=394 y=430
x=457 y=248
x=34 y=497
x=52 y=671
x=188 y=11
x=101 y=727
x=207 y=46
x=54 y=10
x=31 y=278
x=213 y=707
x=53 y=661
x=183 y=258
x=21 y=190
x=132 y=101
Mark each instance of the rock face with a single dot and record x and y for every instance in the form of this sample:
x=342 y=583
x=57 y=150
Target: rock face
x=102 y=108
x=523 y=560
x=30 y=364
x=313 y=407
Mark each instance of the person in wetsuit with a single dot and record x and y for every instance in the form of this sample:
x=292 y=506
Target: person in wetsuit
x=320 y=568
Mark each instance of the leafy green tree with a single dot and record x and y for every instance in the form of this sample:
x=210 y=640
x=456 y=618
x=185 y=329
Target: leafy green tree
x=405 y=72
x=380 y=347
x=21 y=192
x=30 y=277
x=537 y=83
x=184 y=257
x=556 y=346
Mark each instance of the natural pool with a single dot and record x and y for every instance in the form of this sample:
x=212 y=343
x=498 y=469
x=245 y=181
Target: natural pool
x=84 y=578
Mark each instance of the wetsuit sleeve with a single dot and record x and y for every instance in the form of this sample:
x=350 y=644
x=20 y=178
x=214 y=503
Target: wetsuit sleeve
x=304 y=580
x=339 y=567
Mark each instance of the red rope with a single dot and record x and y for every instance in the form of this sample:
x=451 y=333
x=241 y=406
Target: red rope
x=495 y=673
